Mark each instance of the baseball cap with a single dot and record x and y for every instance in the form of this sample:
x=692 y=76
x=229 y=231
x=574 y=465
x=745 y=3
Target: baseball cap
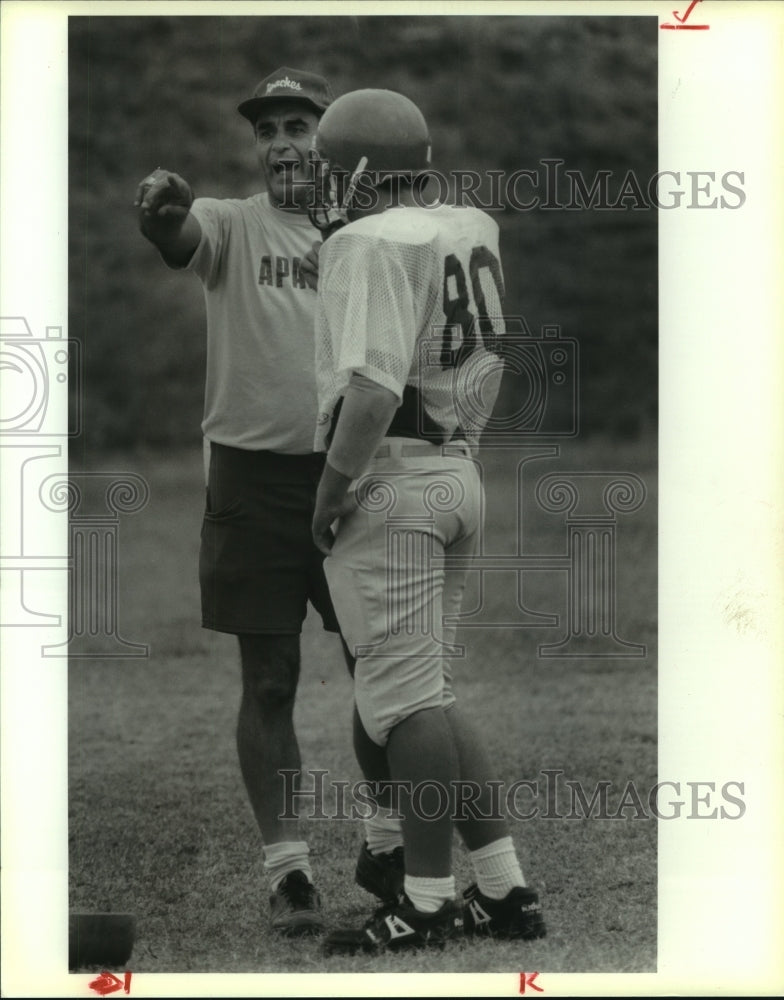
x=292 y=84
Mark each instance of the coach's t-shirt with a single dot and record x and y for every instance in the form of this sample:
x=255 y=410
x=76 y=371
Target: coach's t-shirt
x=260 y=386
x=411 y=299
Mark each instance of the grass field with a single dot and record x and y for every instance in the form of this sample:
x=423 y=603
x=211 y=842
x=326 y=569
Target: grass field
x=159 y=824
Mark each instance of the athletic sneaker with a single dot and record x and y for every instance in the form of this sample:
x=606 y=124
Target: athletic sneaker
x=381 y=874
x=295 y=906
x=517 y=915
x=398 y=926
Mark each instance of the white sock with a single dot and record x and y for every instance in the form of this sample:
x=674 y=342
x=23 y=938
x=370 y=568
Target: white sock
x=497 y=868
x=427 y=894
x=383 y=833
x=285 y=857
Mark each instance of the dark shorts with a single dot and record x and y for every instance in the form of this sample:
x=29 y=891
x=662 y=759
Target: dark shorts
x=258 y=566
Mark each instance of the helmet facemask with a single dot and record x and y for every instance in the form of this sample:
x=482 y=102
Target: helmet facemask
x=333 y=190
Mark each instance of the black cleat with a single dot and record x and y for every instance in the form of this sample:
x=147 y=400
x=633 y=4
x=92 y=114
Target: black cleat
x=398 y=926
x=381 y=874
x=295 y=906
x=517 y=915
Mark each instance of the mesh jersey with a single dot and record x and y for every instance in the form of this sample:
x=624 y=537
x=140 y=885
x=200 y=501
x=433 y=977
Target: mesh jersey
x=260 y=391
x=411 y=298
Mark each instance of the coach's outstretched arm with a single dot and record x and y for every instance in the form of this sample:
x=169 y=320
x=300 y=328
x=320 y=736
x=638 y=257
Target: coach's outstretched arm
x=164 y=200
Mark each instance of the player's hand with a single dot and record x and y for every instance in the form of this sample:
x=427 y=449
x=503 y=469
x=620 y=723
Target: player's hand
x=323 y=535
x=333 y=501
x=164 y=195
x=309 y=266
x=324 y=520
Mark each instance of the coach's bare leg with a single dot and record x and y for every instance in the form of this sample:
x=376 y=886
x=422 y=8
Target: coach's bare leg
x=478 y=820
x=421 y=749
x=266 y=741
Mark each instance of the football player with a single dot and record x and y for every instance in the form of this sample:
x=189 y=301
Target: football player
x=407 y=366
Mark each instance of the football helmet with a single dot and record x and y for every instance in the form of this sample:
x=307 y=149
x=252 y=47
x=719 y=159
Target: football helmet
x=365 y=136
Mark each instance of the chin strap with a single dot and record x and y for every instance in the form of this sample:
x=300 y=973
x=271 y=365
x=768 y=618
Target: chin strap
x=326 y=216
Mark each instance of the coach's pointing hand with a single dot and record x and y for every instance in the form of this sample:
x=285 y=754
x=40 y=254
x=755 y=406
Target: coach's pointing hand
x=164 y=201
x=163 y=193
x=333 y=501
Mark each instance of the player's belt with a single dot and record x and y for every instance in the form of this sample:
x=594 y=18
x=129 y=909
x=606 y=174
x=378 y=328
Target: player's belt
x=409 y=447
